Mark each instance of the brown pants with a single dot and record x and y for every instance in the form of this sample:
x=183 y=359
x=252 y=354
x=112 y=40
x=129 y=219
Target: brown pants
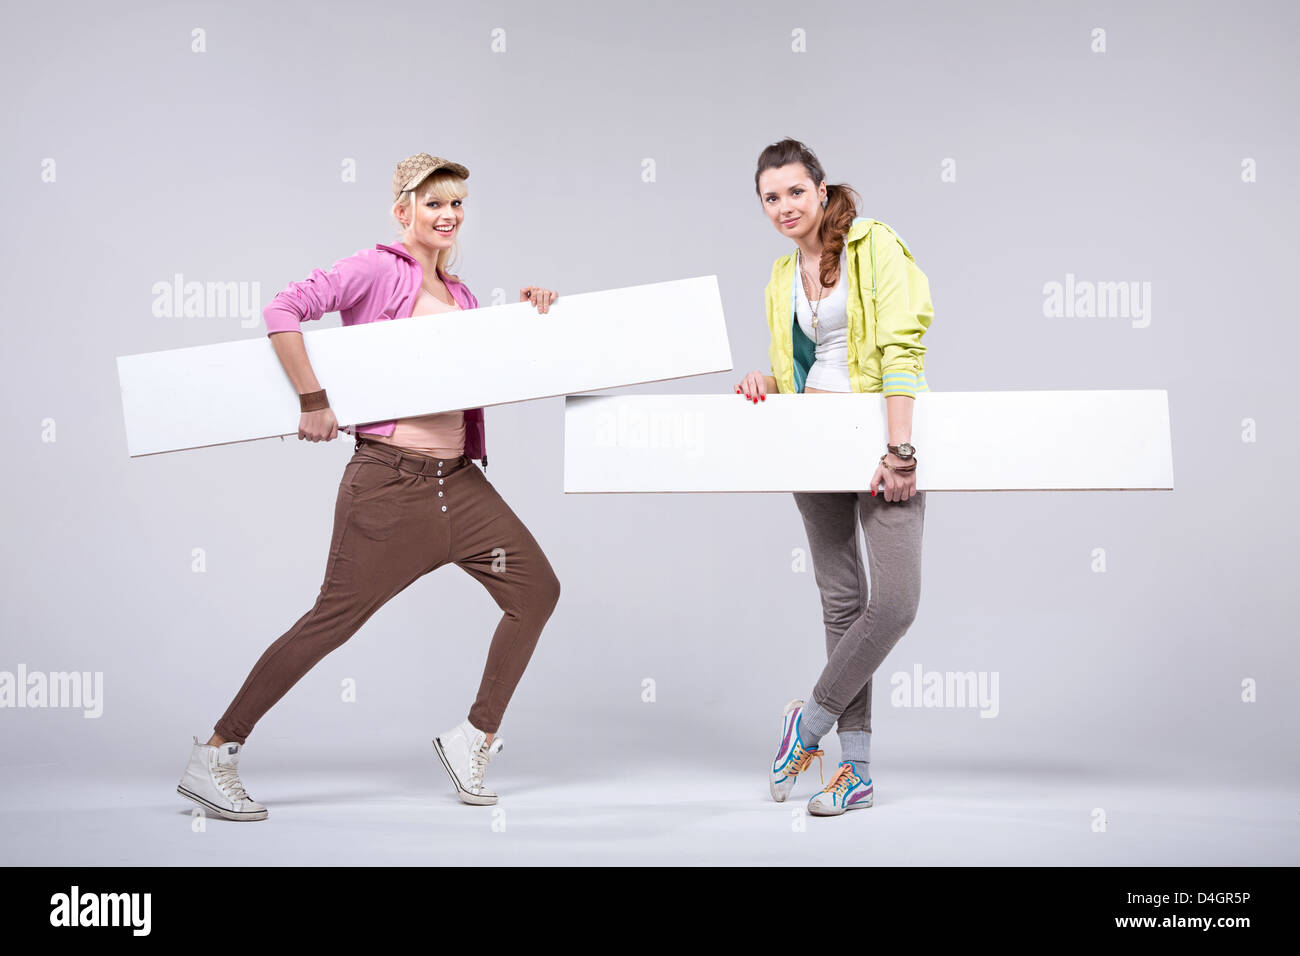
x=399 y=516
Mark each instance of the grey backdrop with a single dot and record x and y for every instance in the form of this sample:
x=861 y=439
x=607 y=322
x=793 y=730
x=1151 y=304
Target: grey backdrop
x=226 y=166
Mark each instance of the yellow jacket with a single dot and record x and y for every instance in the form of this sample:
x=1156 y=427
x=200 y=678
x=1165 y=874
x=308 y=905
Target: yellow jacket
x=889 y=310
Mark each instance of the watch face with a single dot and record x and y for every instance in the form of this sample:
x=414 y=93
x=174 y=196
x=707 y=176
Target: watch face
x=905 y=450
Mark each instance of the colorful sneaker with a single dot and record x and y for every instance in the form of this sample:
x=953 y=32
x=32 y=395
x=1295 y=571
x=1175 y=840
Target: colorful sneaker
x=212 y=781
x=792 y=758
x=465 y=754
x=846 y=791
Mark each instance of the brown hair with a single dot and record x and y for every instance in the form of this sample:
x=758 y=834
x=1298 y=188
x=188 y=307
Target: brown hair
x=841 y=200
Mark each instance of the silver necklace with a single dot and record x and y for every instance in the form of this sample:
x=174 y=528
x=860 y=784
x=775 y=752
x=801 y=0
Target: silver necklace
x=811 y=305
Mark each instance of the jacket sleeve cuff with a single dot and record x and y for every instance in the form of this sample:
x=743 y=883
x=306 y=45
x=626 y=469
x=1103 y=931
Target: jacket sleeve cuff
x=279 y=319
x=900 y=382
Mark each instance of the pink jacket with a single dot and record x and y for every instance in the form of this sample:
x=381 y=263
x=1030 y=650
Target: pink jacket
x=373 y=285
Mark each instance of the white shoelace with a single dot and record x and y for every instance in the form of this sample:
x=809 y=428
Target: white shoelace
x=228 y=780
x=478 y=760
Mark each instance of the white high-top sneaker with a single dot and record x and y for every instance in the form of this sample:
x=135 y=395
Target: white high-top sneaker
x=465 y=753
x=212 y=781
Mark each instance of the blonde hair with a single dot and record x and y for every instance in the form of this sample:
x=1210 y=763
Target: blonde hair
x=444 y=186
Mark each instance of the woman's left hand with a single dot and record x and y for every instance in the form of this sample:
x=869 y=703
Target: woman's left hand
x=542 y=298
x=899 y=486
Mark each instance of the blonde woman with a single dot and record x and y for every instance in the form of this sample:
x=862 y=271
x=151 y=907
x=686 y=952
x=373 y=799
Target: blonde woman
x=846 y=311
x=411 y=500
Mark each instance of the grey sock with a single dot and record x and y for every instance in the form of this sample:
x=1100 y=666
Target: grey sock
x=855 y=745
x=815 y=723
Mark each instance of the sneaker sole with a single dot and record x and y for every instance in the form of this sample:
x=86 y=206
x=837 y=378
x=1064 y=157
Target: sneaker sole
x=473 y=799
x=239 y=816
x=776 y=794
x=860 y=805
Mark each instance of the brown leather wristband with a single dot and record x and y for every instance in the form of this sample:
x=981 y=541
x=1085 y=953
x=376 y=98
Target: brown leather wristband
x=313 y=401
x=899 y=471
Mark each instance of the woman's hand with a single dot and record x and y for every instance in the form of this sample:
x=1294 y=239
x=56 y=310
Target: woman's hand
x=753 y=387
x=320 y=425
x=899 y=486
x=542 y=298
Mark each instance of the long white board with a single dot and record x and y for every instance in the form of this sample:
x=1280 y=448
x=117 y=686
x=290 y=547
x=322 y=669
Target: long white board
x=965 y=441
x=239 y=391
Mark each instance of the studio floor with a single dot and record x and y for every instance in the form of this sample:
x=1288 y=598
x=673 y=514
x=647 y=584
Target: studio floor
x=396 y=812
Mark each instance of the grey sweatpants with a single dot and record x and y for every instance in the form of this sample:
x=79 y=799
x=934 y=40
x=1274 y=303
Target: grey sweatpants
x=862 y=624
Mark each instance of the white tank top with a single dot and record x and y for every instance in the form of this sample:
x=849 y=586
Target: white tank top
x=831 y=369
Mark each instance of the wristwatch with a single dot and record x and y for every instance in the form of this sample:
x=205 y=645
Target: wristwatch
x=903 y=450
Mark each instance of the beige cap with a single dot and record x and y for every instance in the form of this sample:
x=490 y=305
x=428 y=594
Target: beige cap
x=416 y=169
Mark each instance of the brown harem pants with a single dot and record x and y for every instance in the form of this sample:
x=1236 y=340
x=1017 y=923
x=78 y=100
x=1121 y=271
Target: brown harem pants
x=397 y=517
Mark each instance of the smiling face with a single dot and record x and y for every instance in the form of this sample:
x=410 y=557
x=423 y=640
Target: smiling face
x=791 y=200
x=439 y=211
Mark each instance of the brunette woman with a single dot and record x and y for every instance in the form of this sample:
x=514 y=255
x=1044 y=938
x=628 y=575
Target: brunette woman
x=846 y=311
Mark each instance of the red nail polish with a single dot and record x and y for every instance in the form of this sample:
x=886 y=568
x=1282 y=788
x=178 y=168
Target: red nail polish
x=763 y=397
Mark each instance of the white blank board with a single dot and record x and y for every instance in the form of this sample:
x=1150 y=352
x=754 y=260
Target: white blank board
x=239 y=391
x=965 y=441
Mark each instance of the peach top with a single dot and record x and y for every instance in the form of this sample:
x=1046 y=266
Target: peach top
x=442 y=434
